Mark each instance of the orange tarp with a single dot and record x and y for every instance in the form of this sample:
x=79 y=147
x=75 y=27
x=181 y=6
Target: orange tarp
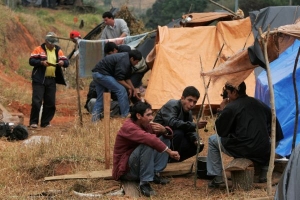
x=179 y=53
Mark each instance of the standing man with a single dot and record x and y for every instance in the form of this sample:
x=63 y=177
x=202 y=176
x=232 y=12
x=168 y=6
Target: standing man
x=47 y=61
x=115 y=28
x=177 y=114
x=141 y=149
x=113 y=73
x=244 y=127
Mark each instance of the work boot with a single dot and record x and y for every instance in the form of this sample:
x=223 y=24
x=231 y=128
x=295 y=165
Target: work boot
x=147 y=190
x=160 y=180
x=216 y=182
x=263 y=174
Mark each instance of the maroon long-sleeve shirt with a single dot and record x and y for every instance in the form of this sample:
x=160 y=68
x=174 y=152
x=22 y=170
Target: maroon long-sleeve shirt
x=128 y=138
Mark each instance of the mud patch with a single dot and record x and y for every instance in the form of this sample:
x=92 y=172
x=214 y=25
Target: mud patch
x=54 y=168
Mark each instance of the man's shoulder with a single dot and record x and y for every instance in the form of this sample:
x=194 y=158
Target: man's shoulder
x=116 y=55
x=172 y=101
x=118 y=20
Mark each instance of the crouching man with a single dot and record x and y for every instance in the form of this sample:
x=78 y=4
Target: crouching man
x=141 y=149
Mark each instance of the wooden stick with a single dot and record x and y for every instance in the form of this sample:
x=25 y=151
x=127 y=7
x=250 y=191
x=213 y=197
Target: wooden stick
x=219 y=142
x=106 y=119
x=230 y=11
x=201 y=110
x=77 y=89
x=273 y=127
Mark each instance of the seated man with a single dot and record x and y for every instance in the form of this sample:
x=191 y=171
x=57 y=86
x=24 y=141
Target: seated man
x=113 y=73
x=141 y=149
x=177 y=114
x=244 y=127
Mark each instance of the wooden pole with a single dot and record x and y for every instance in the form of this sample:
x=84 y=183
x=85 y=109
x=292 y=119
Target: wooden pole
x=201 y=110
x=106 y=119
x=77 y=89
x=273 y=127
x=219 y=142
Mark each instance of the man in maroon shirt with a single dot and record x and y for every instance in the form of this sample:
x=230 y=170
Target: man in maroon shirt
x=141 y=149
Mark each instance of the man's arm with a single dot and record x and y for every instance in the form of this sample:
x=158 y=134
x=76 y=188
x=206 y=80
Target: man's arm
x=124 y=28
x=173 y=154
x=170 y=113
x=224 y=122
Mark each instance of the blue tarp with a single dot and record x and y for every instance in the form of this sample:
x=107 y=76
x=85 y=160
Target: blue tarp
x=282 y=78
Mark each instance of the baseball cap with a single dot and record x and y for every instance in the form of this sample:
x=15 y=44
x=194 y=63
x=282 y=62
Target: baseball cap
x=51 y=38
x=75 y=35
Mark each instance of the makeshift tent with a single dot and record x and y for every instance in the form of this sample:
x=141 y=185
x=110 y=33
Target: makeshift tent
x=282 y=36
x=281 y=73
x=177 y=61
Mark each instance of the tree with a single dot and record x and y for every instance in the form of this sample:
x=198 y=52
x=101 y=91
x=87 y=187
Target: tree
x=164 y=11
x=252 y=5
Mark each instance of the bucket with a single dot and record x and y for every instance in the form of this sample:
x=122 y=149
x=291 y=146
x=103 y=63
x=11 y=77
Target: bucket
x=201 y=169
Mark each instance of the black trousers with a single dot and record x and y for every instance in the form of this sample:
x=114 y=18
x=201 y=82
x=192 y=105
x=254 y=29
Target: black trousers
x=181 y=142
x=43 y=94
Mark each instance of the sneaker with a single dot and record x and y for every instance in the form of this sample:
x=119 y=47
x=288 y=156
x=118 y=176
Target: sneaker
x=160 y=180
x=33 y=126
x=216 y=182
x=146 y=190
x=47 y=126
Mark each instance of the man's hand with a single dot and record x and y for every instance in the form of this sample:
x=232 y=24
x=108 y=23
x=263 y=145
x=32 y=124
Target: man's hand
x=60 y=63
x=173 y=154
x=130 y=92
x=223 y=104
x=135 y=94
x=158 y=128
x=202 y=124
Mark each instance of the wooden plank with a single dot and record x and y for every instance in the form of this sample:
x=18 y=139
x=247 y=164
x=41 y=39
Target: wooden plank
x=131 y=188
x=180 y=168
x=239 y=164
x=172 y=169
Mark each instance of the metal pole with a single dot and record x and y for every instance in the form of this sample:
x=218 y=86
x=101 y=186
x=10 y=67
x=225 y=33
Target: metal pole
x=236 y=5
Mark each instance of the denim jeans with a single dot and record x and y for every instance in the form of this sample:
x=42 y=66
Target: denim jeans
x=145 y=161
x=214 y=162
x=103 y=82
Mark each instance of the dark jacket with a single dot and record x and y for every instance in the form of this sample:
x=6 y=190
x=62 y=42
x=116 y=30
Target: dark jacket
x=172 y=115
x=244 y=126
x=116 y=65
x=128 y=138
x=40 y=54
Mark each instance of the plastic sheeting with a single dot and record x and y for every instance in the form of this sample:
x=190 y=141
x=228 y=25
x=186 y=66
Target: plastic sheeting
x=281 y=73
x=177 y=61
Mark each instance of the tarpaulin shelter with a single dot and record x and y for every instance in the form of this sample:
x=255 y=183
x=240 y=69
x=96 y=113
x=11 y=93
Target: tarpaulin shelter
x=179 y=52
x=282 y=50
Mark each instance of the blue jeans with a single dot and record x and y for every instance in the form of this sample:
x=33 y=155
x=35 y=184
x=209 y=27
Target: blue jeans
x=103 y=82
x=145 y=161
x=214 y=162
